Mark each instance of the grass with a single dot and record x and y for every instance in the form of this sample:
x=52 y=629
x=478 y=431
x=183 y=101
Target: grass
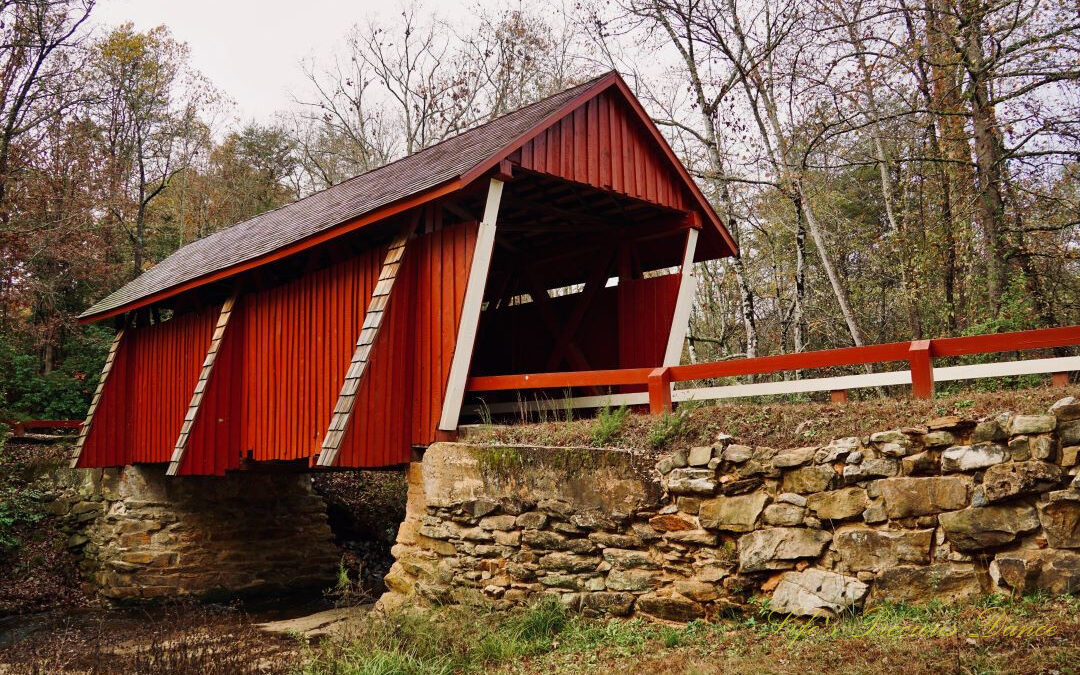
x=545 y=638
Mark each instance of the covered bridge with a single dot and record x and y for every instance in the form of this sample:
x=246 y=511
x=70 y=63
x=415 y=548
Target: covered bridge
x=341 y=330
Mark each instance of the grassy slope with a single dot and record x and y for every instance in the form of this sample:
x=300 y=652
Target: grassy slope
x=773 y=422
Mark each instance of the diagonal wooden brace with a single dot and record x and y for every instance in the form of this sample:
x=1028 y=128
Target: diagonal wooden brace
x=76 y=453
x=373 y=320
x=180 y=448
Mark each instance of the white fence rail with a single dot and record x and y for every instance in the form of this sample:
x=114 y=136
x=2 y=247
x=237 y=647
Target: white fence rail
x=843 y=382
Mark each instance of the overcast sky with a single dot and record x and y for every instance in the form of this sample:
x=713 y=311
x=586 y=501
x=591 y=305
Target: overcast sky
x=251 y=49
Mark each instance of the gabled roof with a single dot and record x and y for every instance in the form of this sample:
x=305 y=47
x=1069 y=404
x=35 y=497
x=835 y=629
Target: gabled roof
x=364 y=199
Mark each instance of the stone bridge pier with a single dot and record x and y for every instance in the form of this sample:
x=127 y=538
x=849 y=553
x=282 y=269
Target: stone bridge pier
x=145 y=536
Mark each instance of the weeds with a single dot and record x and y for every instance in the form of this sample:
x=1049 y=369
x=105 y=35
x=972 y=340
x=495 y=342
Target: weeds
x=609 y=422
x=671 y=426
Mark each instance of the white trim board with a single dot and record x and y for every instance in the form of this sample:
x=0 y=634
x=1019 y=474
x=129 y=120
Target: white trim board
x=470 y=310
x=898 y=377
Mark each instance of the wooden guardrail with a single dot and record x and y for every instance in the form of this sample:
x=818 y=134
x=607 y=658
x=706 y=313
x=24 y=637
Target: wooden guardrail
x=20 y=427
x=919 y=355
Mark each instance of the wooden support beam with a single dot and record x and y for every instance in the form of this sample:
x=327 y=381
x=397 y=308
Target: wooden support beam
x=540 y=296
x=660 y=391
x=1059 y=380
x=838 y=396
x=76 y=452
x=564 y=340
x=470 y=310
x=180 y=448
x=922 y=369
x=373 y=319
x=680 y=320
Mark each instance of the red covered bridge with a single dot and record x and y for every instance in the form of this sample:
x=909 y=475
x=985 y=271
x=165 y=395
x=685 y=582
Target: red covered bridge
x=340 y=330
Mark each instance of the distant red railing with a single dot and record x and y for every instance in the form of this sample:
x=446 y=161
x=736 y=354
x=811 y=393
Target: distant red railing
x=20 y=427
x=919 y=354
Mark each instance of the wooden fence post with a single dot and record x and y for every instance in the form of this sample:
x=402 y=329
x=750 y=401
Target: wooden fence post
x=922 y=369
x=838 y=396
x=660 y=391
x=1059 y=380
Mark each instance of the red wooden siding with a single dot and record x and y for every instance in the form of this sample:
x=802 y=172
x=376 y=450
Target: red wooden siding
x=215 y=444
x=283 y=360
x=298 y=340
x=646 y=308
x=604 y=145
x=147 y=393
x=440 y=262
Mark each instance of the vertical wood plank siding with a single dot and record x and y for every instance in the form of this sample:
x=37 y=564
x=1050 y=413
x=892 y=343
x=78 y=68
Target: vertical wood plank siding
x=140 y=413
x=282 y=364
x=298 y=340
x=604 y=145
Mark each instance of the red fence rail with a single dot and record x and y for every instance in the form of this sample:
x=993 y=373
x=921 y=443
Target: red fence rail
x=20 y=427
x=919 y=355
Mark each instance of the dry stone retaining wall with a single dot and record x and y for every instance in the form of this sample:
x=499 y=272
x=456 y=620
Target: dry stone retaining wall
x=142 y=535
x=949 y=510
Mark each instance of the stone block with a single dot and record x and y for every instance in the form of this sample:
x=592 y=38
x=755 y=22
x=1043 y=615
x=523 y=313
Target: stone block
x=593 y=520
x=1060 y=518
x=975 y=529
x=505 y=522
x=867 y=549
x=1020 y=448
x=632 y=580
x=698 y=591
x=924 y=463
x=691 y=482
x=837 y=450
x=793 y=457
x=670 y=607
x=808 y=479
x=908 y=497
x=988 y=431
x=817 y=593
x=838 y=504
x=568 y=562
x=1019 y=478
x=696 y=537
x=732 y=514
x=971 y=458
x=779 y=547
x=875 y=467
x=1032 y=424
x=1048 y=571
x=673 y=522
x=1066 y=409
x=610 y=603
x=948 y=583
x=891 y=436
x=937 y=439
x=1043 y=447
x=533 y=520
x=699 y=455
x=783 y=515
x=1069 y=432
x=737 y=454
x=615 y=540
x=1070 y=456
x=630 y=559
